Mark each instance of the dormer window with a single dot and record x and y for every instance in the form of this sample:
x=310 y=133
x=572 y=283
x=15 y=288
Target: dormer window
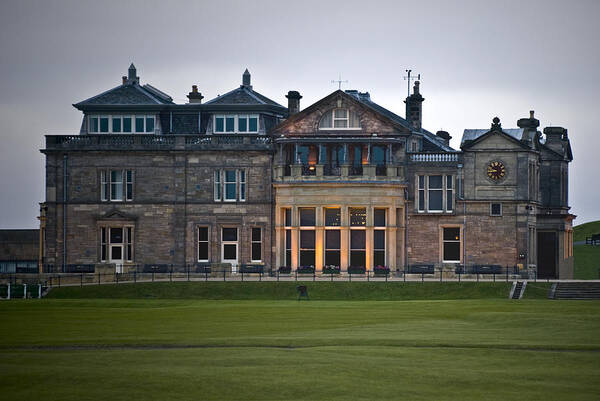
x=121 y=124
x=236 y=123
x=339 y=119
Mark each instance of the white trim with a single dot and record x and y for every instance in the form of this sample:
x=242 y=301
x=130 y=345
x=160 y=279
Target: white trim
x=236 y=118
x=120 y=117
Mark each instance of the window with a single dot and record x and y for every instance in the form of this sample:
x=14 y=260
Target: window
x=256 y=244
x=230 y=185
x=229 y=245
x=288 y=247
x=358 y=216
x=117 y=123
x=307 y=247
x=379 y=218
x=202 y=244
x=333 y=216
x=307 y=216
x=232 y=123
x=218 y=185
x=116 y=244
x=451 y=244
x=358 y=247
x=435 y=193
x=495 y=209
x=116 y=185
x=287 y=217
x=379 y=248
x=339 y=119
x=332 y=247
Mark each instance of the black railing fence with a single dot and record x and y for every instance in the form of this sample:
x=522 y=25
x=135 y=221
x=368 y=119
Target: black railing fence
x=144 y=273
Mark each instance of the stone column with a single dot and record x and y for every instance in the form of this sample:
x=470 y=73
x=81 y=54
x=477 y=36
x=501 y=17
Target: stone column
x=369 y=249
x=319 y=245
x=295 y=250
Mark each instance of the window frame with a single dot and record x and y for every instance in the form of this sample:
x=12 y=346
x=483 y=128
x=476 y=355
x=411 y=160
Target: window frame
x=459 y=241
x=127 y=184
x=198 y=228
x=333 y=120
x=240 y=184
x=253 y=241
x=127 y=243
x=423 y=192
x=492 y=214
x=121 y=118
x=236 y=120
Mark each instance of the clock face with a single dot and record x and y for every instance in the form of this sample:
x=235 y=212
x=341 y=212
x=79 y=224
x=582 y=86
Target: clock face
x=496 y=171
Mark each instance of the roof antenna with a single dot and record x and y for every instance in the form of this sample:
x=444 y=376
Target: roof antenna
x=409 y=78
x=339 y=82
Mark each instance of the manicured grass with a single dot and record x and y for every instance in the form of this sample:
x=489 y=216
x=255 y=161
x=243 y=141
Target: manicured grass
x=485 y=349
x=357 y=291
x=582 y=231
x=587 y=262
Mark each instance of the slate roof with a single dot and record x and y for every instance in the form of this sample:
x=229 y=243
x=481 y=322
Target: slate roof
x=128 y=94
x=473 y=134
x=433 y=139
x=244 y=95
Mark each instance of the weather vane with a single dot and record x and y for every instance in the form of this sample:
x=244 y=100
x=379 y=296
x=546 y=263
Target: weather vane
x=409 y=78
x=339 y=82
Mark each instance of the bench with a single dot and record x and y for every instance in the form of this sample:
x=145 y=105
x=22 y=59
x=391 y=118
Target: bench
x=79 y=268
x=156 y=268
x=202 y=268
x=421 y=269
x=486 y=269
x=252 y=268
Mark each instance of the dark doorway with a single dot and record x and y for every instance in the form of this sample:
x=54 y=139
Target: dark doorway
x=546 y=255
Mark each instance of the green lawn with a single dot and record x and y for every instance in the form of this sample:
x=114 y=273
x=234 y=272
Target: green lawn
x=318 y=291
x=587 y=262
x=582 y=231
x=161 y=349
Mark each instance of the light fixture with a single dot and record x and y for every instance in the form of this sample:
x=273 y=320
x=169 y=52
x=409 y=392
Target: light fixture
x=311 y=168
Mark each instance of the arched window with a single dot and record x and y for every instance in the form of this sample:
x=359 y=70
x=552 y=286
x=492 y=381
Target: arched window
x=339 y=119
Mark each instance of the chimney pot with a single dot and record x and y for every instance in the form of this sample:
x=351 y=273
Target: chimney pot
x=293 y=102
x=531 y=112
x=194 y=96
x=124 y=78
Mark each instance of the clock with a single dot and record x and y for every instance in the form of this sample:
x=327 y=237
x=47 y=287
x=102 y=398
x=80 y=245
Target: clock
x=496 y=170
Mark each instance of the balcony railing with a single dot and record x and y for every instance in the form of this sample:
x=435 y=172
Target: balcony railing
x=381 y=169
x=309 y=170
x=433 y=157
x=332 y=170
x=356 y=170
x=143 y=142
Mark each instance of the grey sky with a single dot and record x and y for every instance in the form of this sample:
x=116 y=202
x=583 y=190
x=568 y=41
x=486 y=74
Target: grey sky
x=477 y=59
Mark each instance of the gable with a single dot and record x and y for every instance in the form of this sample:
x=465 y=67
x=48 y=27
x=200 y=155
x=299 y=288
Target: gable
x=371 y=121
x=492 y=141
x=123 y=95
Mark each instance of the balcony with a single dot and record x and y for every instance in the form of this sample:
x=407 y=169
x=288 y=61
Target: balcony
x=158 y=142
x=325 y=172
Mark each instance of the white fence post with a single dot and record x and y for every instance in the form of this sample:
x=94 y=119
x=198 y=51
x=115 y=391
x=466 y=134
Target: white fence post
x=24 y=291
x=8 y=291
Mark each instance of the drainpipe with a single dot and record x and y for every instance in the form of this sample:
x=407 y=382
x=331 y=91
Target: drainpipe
x=461 y=197
x=65 y=175
x=405 y=261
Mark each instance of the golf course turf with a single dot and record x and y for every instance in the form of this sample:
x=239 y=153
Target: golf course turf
x=199 y=349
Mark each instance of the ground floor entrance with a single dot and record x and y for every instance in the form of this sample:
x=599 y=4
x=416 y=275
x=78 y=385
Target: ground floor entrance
x=547 y=255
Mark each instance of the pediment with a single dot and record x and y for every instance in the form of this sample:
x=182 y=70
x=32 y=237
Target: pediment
x=371 y=120
x=495 y=140
x=115 y=215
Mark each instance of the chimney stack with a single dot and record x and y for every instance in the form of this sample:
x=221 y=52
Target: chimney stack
x=293 y=102
x=445 y=136
x=246 y=79
x=124 y=78
x=414 y=107
x=194 y=96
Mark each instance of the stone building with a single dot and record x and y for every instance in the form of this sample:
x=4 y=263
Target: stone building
x=344 y=182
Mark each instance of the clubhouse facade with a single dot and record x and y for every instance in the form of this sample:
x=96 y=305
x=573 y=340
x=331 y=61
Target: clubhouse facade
x=242 y=180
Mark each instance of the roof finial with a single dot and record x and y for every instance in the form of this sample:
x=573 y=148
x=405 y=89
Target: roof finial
x=131 y=74
x=246 y=79
x=496 y=124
